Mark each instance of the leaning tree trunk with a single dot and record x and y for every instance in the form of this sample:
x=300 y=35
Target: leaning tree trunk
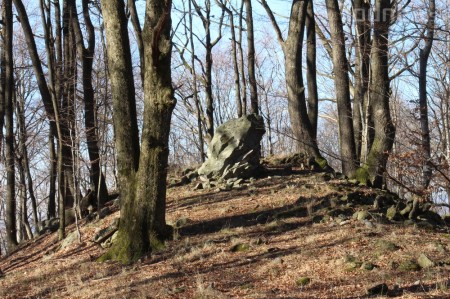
x=341 y=82
x=373 y=170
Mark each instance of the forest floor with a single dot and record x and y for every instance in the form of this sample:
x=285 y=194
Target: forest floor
x=251 y=243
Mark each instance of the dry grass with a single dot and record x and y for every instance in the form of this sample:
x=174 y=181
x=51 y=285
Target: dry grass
x=201 y=262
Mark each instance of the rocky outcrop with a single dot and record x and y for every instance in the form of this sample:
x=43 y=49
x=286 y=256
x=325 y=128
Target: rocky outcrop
x=234 y=151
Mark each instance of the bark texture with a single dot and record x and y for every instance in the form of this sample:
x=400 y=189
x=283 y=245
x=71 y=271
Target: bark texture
x=10 y=212
x=142 y=173
x=341 y=83
x=375 y=166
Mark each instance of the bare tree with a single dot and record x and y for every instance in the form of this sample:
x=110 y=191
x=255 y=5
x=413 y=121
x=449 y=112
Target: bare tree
x=87 y=58
x=292 y=49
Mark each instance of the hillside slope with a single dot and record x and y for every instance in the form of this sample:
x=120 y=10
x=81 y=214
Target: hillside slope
x=284 y=236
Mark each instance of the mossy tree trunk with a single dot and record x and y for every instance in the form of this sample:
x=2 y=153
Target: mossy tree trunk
x=142 y=172
x=375 y=166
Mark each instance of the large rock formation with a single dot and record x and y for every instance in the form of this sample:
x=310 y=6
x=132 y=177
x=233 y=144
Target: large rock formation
x=235 y=149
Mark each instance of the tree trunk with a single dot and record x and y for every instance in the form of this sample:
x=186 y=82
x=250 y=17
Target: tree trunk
x=237 y=81
x=137 y=32
x=423 y=102
x=311 y=74
x=341 y=82
x=143 y=187
x=24 y=225
x=209 y=45
x=362 y=66
x=87 y=58
x=125 y=128
x=36 y=61
x=10 y=213
x=24 y=164
x=241 y=60
x=198 y=109
x=51 y=207
x=301 y=126
x=68 y=106
x=251 y=62
x=380 y=93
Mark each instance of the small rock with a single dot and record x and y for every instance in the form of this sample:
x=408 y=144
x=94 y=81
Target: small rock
x=408 y=266
x=379 y=289
x=406 y=210
x=384 y=246
x=238 y=183
x=182 y=222
x=368 y=224
x=342 y=223
x=199 y=186
x=353 y=182
x=104 y=212
x=70 y=239
x=107 y=232
x=108 y=243
x=425 y=225
x=391 y=213
x=361 y=215
x=409 y=222
x=231 y=180
x=439 y=247
x=240 y=247
x=393 y=265
x=259 y=241
x=192 y=175
x=424 y=262
x=367 y=266
x=226 y=187
x=302 y=281
x=350 y=266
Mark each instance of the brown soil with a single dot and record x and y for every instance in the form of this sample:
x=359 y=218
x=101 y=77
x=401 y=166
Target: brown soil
x=241 y=244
